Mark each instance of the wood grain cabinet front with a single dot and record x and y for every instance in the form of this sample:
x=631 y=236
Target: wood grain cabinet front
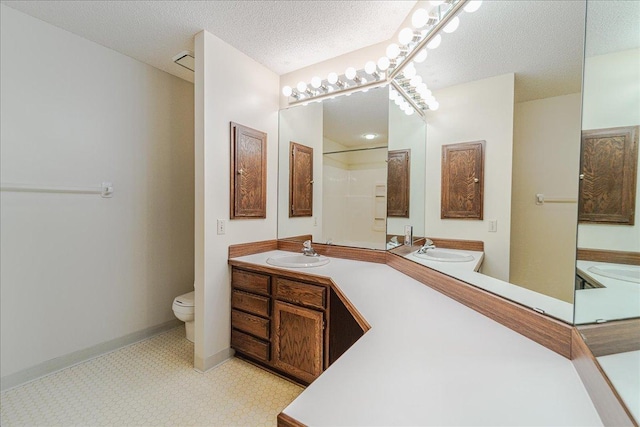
x=283 y=324
x=298 y=340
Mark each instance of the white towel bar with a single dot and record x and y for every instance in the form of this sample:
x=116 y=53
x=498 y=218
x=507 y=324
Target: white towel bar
x=541 y=200
x=106 y=190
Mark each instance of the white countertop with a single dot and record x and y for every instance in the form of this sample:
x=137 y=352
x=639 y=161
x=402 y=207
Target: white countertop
x=468 y=272
x=428 y=360
x=619 y=299
x=623 y=369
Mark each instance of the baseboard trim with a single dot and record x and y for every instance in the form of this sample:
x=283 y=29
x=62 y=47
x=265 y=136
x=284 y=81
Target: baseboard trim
x=203 y=365
x=59 y=363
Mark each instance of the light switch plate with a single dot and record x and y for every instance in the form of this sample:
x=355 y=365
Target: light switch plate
x=222 y=226
x=493 y=225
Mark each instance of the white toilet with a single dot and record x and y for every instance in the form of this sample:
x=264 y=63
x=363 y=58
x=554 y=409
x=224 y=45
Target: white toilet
x=183 y=308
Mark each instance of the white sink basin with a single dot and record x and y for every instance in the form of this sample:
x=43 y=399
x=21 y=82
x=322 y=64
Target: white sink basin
x=298 y=261
x=444 y=255
x=628 y=274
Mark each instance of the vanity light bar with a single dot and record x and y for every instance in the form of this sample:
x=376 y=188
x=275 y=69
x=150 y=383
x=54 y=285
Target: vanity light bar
x=389 y=69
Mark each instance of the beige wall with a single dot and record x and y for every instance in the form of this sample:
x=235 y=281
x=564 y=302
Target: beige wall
x=229 y=86
x=546 y=151
x=80 y=272
x=480 y=110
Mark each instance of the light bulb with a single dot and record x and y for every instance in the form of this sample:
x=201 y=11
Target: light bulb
x=332 y=78
x=410 y=71
x=370 y=67
x=421 y=87
x=393 y=50
x=370 y=136
x=362 y=80
x=302 y=86
x=433 y=105
x=452 y=25
x=393 y=95
x=316 y=82
x=383 y=63
x=398 y=100
x=421 y=56
x=405 y=36
x=287 y=91
x=409 y=111
x=419 y=18
x=435 y=42
x=415 y=81
x=472 y=6
x=350 y=73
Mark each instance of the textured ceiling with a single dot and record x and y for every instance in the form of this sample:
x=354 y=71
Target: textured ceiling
x=540 y=41
x=282 y=35
x=612 y=28
x=347 y=118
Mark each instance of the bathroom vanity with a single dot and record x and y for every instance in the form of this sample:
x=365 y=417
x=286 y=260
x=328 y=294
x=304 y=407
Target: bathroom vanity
x=427 y=359
x=283 y=321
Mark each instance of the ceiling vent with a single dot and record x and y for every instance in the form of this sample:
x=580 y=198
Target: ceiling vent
x=185 y=59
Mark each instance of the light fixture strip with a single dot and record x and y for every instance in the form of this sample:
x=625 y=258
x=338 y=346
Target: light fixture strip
x=431 y=34
x=389 y=76
x=338 y=92
x=409 y=99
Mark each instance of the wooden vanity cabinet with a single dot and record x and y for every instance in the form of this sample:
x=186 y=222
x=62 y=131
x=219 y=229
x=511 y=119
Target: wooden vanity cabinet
x=282 y=323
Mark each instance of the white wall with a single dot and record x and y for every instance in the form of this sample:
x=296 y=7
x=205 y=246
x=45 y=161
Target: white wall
x=546 y=158
x=409 y=132
x=229 y=86
x=612 y=99
x=480 y=110
x=302 y=125
x=79 y=270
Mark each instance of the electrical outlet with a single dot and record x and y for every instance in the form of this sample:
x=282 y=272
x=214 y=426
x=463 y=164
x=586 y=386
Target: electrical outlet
x=222 y=226
x=493 y=225
x=315 y=221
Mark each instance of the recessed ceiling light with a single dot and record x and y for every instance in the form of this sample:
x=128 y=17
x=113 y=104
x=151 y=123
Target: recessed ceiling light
x=369 y=135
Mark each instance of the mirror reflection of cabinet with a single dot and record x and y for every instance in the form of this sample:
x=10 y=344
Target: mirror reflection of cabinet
x=462 y=180
x=248 y=173
x=301 y=180
x=608 y=175
x=398 y=183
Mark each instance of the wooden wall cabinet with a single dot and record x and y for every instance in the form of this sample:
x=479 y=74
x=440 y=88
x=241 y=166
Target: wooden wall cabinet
x=283 y=323
x=398 y=183
x=248 y=173
x=462 y=180
x=300 y=180
x=608 y=170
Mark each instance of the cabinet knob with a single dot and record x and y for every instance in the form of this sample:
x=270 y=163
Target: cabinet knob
x=476 y=180
x=581 y=176
x=311 y=182
x=240 y=172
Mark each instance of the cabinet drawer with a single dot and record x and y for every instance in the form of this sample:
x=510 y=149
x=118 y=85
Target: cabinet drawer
x=300 y=293
x=249 y=302
x=252 y=282
x=249 y=345
x=251 y=324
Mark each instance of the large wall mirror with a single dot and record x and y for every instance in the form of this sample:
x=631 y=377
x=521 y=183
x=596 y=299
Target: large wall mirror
x=354 y=138
x=608 y=261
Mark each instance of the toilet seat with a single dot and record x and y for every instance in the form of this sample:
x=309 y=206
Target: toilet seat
x=186 y=300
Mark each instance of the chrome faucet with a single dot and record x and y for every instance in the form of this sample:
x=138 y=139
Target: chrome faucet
x=428 y=244
x=308 y=250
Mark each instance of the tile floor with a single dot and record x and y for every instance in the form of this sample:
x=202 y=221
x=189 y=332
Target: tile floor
x=151 y=383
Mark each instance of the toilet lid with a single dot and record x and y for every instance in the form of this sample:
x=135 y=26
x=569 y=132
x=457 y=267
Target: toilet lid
x=186 y=300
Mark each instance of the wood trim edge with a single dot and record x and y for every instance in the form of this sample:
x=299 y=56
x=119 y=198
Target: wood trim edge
x=605 y=398
x=345 y=252
x=285 y=420
x=601 y=255
x=251 y=248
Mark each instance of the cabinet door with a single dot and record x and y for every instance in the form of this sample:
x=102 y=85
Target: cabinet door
x=608 y=175
x=301 y=180
x=248 y=173
x=462 y=180
x=298 y=340
x=398 y=183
